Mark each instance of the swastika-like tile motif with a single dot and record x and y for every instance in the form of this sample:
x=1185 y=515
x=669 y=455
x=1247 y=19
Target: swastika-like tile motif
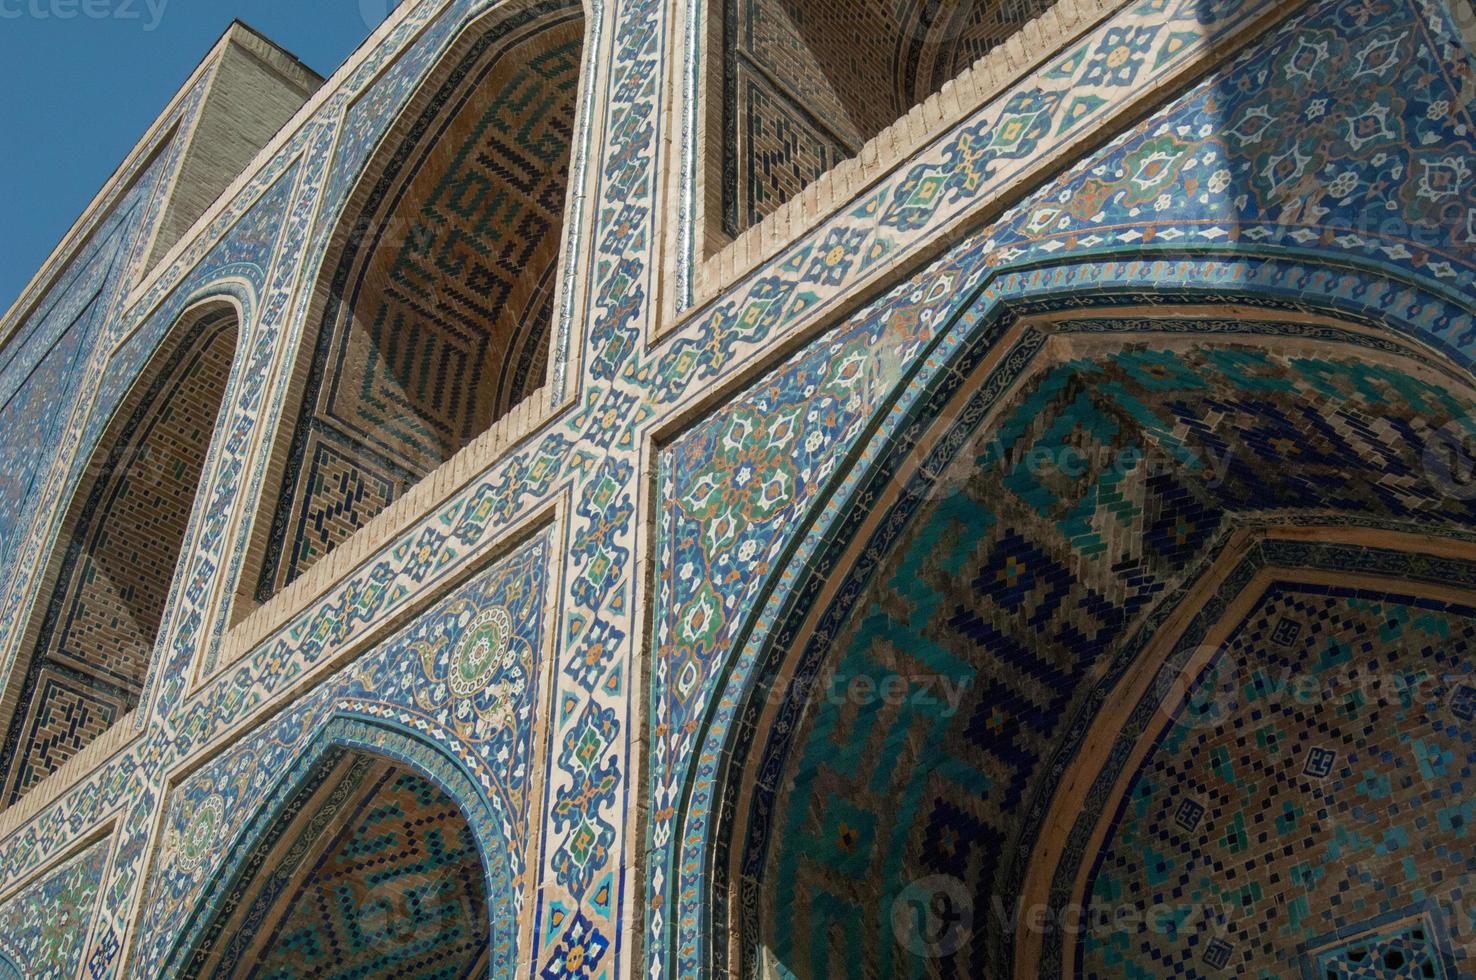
x=1202 y=233
x=1282 y=857
x=938 y=697
x=439 y=319
x=1210 y=206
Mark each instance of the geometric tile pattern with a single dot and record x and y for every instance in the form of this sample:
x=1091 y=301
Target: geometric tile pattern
x=1413 y=949
x=42 y=366
x=397 y=890
x=464 y=677
x=938 y=702
x=440 y=313
x=807 y=84
x=43 y=929
x=1210 y=193
x=113 y=572
x=1282 y=858
x=623 y=387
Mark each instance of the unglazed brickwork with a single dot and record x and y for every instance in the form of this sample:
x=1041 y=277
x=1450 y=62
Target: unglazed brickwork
x=573 y=599
x=255 y=89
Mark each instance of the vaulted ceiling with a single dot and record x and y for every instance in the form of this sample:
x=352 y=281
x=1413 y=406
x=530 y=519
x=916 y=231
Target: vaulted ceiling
x=959 y=676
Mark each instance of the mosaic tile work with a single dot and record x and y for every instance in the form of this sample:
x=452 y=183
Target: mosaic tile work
x=1033 y=551
x=41 y=367
x=439 y=318
x=44 y=928
x=626 y=388
x=254 y=234
x=87 y=666
x=471 y=689
x=227 y=488
x=396 y=891
x=67 y=330
x=807 y=84
x=1048 y=110
x=108 y=787
x=1417 y=948
x=770 y=301
x=1285 y=852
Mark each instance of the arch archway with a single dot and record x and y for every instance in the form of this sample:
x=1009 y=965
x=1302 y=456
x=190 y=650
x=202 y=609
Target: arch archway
x=85 y=655
x=435 y=309
x=371 y=856
x=1044 y=551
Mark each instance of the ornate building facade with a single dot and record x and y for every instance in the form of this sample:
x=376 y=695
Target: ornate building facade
x=783 y=488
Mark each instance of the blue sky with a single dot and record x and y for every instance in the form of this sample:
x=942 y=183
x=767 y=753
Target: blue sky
x=85 y=78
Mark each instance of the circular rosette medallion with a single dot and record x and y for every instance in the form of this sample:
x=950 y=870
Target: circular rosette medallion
x=199 y=832
x=484 y=651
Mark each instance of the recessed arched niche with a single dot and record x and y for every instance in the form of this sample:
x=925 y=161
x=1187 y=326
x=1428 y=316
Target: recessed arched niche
x=372 y=871
x=88 y=641
x=434 y=314
x=1142 y=611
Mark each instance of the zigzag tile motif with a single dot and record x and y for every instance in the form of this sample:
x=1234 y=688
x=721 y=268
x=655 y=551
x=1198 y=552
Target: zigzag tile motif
x=397 y=891
x=937 y=299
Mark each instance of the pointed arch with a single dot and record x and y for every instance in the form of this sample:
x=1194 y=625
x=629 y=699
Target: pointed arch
x=1328 y=648
x=779 y=702
x=292 y=886
x=85 y=654
x=434 y=313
